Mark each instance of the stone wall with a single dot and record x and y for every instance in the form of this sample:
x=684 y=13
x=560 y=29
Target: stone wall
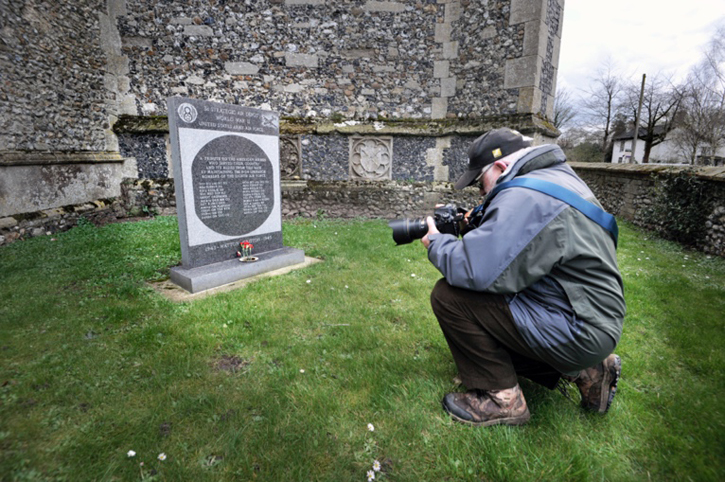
x=410 y=82
x=45 y=180
x=334 y=199
x=387 y=200
x=338 y=151
x=358 y=59
x=59 y=96
x=51 y=221
x=53 y=94
x=627 y=191
x=624 y=190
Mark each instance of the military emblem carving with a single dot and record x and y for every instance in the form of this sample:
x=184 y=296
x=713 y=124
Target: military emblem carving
x=371 y=157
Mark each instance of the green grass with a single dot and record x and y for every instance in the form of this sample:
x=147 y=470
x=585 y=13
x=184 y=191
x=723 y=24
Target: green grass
x=94 y=363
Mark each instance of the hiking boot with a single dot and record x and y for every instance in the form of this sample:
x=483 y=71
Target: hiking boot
x=484 y=408
x=598 y=384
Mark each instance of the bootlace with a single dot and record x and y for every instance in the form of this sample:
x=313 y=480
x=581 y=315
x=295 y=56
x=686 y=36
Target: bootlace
x=563 y=386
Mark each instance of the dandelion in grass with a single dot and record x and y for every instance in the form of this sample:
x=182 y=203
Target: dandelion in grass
x=131 y=453
x=162 y=456
x=371 y=475
x=376 y=466
x=370 y=427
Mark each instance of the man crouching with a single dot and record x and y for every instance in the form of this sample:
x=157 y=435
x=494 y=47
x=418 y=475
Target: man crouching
x=533 y=290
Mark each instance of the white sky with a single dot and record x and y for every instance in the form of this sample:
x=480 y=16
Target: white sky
x=641 y=36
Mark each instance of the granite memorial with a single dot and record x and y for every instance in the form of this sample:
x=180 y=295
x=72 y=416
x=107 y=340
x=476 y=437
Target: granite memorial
x=227 y=181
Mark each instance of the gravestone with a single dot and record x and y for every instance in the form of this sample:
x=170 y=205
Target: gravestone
x=227 y=181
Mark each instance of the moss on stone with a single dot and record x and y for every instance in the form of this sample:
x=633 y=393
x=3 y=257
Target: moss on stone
x=131 y=124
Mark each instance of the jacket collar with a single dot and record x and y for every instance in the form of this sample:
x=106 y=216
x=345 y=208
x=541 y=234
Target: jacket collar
x=539 y=157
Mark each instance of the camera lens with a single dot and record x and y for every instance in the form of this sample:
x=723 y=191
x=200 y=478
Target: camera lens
x=408 y=230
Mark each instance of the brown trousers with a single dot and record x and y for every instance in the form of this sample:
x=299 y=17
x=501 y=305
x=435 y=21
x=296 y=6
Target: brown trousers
x=484 y=342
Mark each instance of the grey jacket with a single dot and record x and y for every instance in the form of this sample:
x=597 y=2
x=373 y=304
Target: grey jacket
x=557 y=269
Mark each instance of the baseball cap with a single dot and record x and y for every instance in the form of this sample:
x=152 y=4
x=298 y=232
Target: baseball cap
x=487 y=149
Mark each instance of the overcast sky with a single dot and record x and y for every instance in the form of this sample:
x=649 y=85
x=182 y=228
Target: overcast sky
x=641 y=36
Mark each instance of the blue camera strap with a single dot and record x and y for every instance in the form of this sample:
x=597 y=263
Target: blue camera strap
x=590 y=210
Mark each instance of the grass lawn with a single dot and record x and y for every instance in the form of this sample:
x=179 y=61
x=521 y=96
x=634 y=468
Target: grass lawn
x=278 y=381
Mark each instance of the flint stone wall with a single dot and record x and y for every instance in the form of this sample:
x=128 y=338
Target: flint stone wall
x=334 y=199
x=626 y=190
x=387 y=200
x=55 y=94
x=71 y=70
x=356 y=58
x=51 y=221
x=331 y=151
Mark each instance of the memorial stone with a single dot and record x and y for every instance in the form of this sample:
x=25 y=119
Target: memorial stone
x=227 y=180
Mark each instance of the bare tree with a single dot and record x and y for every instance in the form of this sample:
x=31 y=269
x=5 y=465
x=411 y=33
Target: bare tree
x=564 y=111
x=580 y=144
x=702 y=123
x=602 y=98
x=660 y=106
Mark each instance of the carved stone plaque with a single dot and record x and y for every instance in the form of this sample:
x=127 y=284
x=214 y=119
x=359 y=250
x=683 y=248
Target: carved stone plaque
x=371 y=157
x=290 y=157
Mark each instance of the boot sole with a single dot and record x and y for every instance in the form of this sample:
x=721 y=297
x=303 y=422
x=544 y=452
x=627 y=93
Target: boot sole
x=519 y=420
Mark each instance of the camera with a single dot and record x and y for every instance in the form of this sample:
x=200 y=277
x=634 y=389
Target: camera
x=448 y=219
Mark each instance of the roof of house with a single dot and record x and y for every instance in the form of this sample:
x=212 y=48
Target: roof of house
x=629 y=134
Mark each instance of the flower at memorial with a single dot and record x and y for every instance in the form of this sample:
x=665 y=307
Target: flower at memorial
x=246 y=249
x=131 y=453
x=162 y=456
x=376 y=466
x=370 y=427
x=371 y=475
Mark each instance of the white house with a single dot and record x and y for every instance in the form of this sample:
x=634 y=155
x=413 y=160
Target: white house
x=666 y=152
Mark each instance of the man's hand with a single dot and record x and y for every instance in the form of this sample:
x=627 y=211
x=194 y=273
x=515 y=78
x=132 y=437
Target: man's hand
x=431 y=230
x=467 y=216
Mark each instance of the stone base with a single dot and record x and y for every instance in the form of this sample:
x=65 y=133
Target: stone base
x=195 y=280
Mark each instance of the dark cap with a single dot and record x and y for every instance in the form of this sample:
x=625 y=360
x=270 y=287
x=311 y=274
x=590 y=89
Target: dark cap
x=487 y=149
